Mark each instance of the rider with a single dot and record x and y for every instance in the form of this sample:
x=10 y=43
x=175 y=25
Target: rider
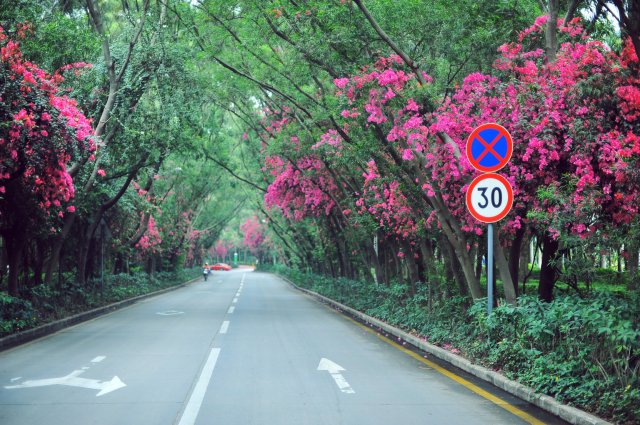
x=205 y=271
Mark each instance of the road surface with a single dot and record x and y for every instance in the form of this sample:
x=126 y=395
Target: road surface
x=242 y=348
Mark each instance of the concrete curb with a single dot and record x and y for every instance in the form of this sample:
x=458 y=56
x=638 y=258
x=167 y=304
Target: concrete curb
x=20 y=338
x=545 y=402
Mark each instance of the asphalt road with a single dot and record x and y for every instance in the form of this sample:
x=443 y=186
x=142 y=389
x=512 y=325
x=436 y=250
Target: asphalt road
x=242 y=348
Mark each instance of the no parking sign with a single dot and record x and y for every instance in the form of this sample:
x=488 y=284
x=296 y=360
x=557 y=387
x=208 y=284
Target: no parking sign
x=489 y=147
x=490 y=196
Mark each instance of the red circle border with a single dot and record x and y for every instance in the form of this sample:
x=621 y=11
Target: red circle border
x=472 y=186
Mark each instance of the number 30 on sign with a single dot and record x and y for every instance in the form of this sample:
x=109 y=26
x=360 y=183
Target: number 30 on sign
x=489 y=197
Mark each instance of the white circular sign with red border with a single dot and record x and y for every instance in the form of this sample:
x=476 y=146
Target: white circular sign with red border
x=489 y=197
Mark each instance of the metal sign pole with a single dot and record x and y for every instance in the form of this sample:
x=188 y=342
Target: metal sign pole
x=489 y=268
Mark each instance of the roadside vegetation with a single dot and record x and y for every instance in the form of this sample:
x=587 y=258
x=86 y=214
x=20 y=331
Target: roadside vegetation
x=43 y=304
x=582 y=350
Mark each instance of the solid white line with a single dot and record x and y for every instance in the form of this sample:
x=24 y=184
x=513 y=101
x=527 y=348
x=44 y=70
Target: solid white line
x=231 y=309
x=197 y=396
x=225 y=327
x=98 y=359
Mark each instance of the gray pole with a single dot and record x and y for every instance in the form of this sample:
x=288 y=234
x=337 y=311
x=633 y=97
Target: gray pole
x=490 y=268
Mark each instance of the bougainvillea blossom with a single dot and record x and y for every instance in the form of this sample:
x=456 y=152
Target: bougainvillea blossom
x=43 y=131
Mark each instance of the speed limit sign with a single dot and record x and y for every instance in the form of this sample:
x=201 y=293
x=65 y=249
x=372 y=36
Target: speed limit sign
x=489 y=197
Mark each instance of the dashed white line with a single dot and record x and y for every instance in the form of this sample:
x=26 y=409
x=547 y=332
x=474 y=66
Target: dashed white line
x=231 y=310
x=98 y=359
x=235 y=300
x=225 y=327
x=192 y=409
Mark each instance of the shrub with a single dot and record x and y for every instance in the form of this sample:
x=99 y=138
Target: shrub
x=16 y=314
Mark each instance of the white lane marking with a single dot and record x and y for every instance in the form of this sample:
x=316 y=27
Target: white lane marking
x=235 y=300
x=334 y=369
x=192 y=409
x=225 y=327
x=98 y=359
x=231 y=310
x=16 y=379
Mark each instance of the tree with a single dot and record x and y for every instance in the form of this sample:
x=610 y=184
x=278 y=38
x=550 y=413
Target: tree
x=42 y=131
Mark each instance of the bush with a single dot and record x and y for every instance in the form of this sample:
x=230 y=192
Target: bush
x=43 y=303
x=16 y=314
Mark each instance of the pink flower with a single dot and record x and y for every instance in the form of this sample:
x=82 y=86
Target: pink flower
x=407 y=155
x=101 y=173
x=341 y=82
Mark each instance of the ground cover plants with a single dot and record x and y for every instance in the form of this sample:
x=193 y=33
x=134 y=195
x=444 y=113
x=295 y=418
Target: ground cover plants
x=584 y=351
x=41 y=304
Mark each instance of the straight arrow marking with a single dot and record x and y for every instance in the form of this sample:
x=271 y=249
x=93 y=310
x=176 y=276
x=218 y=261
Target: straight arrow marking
x=334 y=370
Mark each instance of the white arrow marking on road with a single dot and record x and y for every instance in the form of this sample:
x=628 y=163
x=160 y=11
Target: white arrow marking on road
x=170 y=313
x=334 y=369
x=72 y=380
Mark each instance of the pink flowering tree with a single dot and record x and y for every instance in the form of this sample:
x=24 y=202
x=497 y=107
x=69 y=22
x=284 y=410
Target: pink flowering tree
x=42 y=131
x=254 y=237
x=575 y=129
x=382 y=104
x=221 y=249
x=573 y=120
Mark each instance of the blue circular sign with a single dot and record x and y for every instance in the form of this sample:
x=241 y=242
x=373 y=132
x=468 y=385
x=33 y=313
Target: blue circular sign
x=489 y=147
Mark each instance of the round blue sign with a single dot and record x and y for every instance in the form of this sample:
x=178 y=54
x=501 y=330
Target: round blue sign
x=489 y=147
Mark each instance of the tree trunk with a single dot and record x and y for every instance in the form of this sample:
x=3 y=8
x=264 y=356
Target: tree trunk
x=510 y=292
x=548 y=271
x=551 y=34
x=479 y=259
x=525 y=257
x=514 y=256
x=410 y=261
x=54 y=260
x=453 y=266
x=428 y=258
x=631 y=261
x=15 y=248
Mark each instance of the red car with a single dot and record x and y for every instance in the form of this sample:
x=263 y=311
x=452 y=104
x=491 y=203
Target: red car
x=221 y=266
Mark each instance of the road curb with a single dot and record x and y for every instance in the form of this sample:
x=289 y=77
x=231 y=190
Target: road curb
x=20 y=338
x=568 y=413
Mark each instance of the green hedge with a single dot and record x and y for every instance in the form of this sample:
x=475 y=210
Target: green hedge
x=41 y=304
x=582 y=351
